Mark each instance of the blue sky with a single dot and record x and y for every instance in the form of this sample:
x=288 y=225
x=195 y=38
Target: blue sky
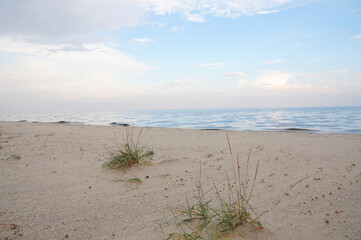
x=109 y=55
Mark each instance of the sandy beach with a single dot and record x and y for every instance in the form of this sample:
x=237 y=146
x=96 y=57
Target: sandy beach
x=53 y=185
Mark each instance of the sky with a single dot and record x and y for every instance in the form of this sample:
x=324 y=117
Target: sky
x=113 y=55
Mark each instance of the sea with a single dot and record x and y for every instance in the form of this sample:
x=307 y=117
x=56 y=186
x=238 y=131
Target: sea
x=318 y=120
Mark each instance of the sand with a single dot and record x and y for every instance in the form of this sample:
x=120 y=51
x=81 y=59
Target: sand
x=58 y=189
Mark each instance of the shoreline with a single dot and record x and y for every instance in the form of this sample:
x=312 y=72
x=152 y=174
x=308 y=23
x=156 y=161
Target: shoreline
x=58 y=188
x=116 y=124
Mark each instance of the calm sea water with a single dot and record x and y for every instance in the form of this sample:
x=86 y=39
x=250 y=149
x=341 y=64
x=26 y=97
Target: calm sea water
x=324 y=120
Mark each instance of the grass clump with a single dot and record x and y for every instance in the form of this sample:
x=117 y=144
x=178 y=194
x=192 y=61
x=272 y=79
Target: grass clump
x=214 y=214
x=129 y=151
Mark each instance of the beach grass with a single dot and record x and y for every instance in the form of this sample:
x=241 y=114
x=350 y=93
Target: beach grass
x=129 y=180
x=131 y=150
x=214 y=215
x=133 y=179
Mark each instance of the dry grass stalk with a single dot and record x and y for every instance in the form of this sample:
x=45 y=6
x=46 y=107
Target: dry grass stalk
x=280 y=199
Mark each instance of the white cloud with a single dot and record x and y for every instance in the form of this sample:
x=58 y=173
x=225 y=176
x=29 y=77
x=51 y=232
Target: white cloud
x=177 y=29
x=226 y=92
x=340 y=71
x=140 y=40
x=242 y=83
x=356 y=37
x=56 y=20
x=219 y=8
x=178 y=83
x=267 y=12
x=234 y=74
x=213 y=65
x=160 y=25
x=332 y=82
x=175 y=87
x=273 y=80
x=97 y=71
x=286 y=84
x=273 y=61
x=195 y=18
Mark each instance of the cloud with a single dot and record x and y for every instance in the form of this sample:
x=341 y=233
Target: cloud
x=176 y=86
x=213 y=65
x=140 y=41
x=61 y=19
x=70 y=48
x=333 y=83
x=196 y=10
x=336 y=82
x=160 y=25
x=267 y=12
x=178 y=83
x=242 y=83
x=58 y=19
x=356 y=37
x=273 y=80
x=195 y=18
x=340 y=71
x=234 y=74
x=177 y=29
x=273 y=61
x=97 y=71
x=226 y=92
